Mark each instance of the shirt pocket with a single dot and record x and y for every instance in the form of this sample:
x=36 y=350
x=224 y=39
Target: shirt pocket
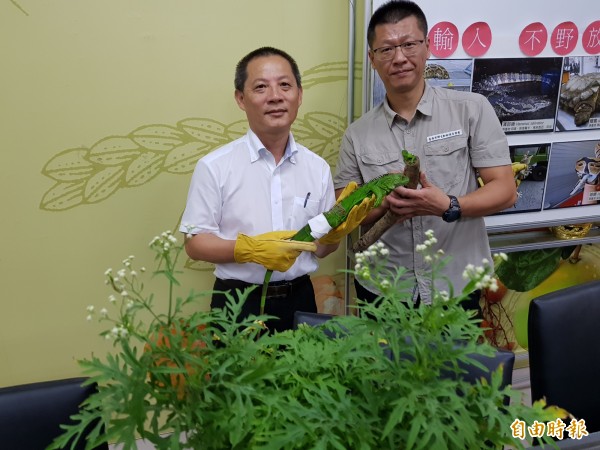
x=447 y=161
x=375 y=164
x=302 y=214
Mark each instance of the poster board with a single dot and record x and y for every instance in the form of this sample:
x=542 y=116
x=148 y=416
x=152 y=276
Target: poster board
x=506 y=28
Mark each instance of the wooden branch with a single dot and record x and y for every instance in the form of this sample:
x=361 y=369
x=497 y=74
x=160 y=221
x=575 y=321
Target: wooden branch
x=412 y=169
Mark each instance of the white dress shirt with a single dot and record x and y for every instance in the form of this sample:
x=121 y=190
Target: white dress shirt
x=238 y=188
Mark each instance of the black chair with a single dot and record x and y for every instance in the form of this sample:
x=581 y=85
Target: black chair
x=31 y=414
x=472 y=373
x=564 y=351
x=309 y=318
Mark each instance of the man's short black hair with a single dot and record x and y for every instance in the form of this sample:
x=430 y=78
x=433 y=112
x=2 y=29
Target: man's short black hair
x=392 y=12
x=241 y=70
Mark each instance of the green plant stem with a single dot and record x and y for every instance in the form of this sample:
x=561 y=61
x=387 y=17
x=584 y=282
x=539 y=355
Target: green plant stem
x=263 y=294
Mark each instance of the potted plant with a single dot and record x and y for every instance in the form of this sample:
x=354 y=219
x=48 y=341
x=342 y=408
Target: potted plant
x=210 y=380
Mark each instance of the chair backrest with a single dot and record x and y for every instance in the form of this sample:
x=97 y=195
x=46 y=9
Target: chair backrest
x=564 y=350
x=472 y=373
x=309 y=318
x=31 y=414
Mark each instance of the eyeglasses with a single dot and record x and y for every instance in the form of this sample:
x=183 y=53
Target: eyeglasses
x=409 y=48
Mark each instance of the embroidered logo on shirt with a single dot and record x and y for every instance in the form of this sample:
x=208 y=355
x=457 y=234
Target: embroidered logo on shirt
x=446 y=135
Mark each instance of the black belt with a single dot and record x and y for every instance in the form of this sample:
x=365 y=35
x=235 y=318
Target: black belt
x=276 y=289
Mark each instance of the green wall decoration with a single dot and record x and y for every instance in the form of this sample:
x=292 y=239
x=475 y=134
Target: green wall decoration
x=19 y=7
x=91 y=175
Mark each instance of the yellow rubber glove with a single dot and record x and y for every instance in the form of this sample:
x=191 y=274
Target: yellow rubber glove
x=273 y=250
x=355 y=217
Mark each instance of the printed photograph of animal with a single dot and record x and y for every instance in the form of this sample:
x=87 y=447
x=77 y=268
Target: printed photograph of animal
x=579 y=96
x=521 y=90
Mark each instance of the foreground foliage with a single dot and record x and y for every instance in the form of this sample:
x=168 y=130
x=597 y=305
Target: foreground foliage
x=208 y=380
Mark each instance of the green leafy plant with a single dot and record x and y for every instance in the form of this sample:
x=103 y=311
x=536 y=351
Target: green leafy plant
x=375 y=380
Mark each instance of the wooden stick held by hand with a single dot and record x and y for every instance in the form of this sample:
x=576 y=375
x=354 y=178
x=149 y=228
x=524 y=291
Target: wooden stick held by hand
x=412 y=169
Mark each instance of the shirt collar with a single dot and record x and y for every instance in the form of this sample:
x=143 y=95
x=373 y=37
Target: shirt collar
x=425 y=105
x=257 y=148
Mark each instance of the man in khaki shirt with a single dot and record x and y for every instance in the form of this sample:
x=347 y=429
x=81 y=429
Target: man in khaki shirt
x=456 y=136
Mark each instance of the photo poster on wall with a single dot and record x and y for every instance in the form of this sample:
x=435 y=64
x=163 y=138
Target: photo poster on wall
x=531 y=161
x=541 y=73
x=574 y=174
x=579 y=94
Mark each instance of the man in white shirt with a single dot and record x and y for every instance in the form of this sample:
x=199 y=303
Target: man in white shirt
x=247 y=198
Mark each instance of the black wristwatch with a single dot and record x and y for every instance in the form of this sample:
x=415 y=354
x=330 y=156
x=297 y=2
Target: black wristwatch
x=452 y=214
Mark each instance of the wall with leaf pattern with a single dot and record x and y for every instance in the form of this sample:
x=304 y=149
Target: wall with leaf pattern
x=104 y=109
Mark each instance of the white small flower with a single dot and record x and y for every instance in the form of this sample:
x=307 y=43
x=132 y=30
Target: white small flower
x=104 y=312
x=485 y=261
x=112 y=298
x=90 y=308
x=428 y=259
x=124 y=293
x=421 y=247
x=108 y=271
x=189 y=236
x=429 y=233
x=385 y=252
x=133 y=273
x=89 y=317
x=142 y=269
x=121 y=273
x=444 y=295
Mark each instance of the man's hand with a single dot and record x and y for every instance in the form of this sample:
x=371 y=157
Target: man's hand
x=273 y=250
x=427 y=201
x=356 y=215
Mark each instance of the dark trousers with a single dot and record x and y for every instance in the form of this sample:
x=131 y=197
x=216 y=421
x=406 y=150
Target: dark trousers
x=471 y=303
x=283 y=300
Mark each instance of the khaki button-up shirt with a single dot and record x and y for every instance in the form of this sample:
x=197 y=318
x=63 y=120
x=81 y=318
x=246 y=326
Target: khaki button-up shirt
x=453 y=133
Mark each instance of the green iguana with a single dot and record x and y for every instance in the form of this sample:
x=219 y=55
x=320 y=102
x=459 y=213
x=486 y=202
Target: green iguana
x=380 y=187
